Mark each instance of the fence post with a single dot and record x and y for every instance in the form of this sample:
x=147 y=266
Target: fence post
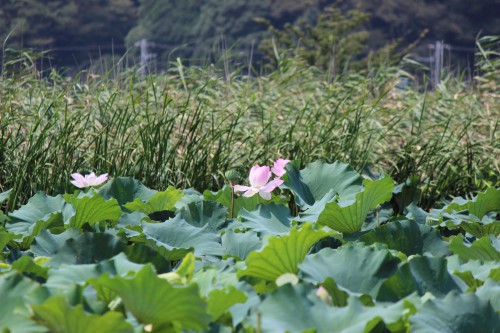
x=438 y=62
x=143 y=44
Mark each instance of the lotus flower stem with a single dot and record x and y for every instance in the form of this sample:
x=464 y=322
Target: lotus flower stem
x=232 y=177
x=294 y=209
x=231 y=213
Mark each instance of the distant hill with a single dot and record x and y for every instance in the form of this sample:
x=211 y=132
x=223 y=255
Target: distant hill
x=79 y=30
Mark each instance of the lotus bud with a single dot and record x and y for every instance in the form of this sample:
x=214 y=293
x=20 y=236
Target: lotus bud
x=322 y=293
x=232 y=176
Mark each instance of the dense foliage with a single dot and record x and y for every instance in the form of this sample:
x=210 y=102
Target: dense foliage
x=187 y=127
x=336 y=42
x=79 y=30
x=126 y=258
x=386 y=219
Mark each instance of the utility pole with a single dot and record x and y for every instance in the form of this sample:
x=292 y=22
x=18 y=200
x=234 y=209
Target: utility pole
x=437 y=60
x=143 y=44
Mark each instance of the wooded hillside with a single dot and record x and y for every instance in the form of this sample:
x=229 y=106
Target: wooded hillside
x=80 y=29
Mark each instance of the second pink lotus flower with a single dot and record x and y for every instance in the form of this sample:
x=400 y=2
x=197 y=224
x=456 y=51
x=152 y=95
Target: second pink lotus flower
x=279 y=167
x=259 y=180
x=88 y=180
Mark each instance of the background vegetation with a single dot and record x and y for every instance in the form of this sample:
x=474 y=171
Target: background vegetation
x=77 y=31
x=336 y=90
x=187 y=127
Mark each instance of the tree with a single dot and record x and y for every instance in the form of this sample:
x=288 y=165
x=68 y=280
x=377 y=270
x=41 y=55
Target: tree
x=333 y=41
x=168 y=22
x=457 y=22
x=80 y=26
x=193 y=29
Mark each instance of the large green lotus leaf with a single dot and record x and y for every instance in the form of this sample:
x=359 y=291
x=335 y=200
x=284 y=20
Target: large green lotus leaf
x=211 y=278
x=312 y=213
x=240 y=311
x=480 y=270
x=92 y=209
x=87 y=248
x=407 y=193
x=317 y=179
x=240 y=244
x=408 y=237
x=202 y=213
x=41 y=212
x=292 y=309
x=220 y=300
x=125 y=189
x=480 y=230
x=174 y=238
x=26 y=265
x=458 y=204
x=183 y=272
x=397 y=286
x=190 y=196
x=288 y=309
x=66 y=275
x=338 y=296
x=431 y=274
x=158 y=202
x=417 y=214
x=471 y=283
x=355 y=317
x=140 y=253
x=490 y=291
x=131 y=223
x=36 y=209
x=421 y=274
x=357 y=268
x=46 y=244
x=488 y=201
x=348 y=216
x=282 y=254
x=59 y=317
x=485 y=202
x=224 y=197
x=153 y=300
x=486 y=248
x=271 y=219
x=3 y=196
x=462 y=219
x=457 y=313
x=17 y=293
x=5 y=238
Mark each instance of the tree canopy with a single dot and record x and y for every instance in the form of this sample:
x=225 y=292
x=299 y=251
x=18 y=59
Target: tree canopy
x=195 y=28
x=80 y=26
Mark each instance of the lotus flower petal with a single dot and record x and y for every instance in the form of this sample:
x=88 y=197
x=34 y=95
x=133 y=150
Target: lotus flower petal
x=259 y=176
x=251 y=192
x=269 y=187
x=101 y=179
x=279 y=167
x=265 y=195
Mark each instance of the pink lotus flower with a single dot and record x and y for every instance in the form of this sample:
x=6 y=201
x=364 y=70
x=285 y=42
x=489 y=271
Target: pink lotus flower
x=322 y=293
x=279 y=167
x=88 y=180
x=259 y=183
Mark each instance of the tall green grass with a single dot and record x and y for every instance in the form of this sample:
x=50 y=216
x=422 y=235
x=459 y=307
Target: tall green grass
x=187 y=126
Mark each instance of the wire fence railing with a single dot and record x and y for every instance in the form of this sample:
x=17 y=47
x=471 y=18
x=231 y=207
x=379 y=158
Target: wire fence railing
x=148 y=56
